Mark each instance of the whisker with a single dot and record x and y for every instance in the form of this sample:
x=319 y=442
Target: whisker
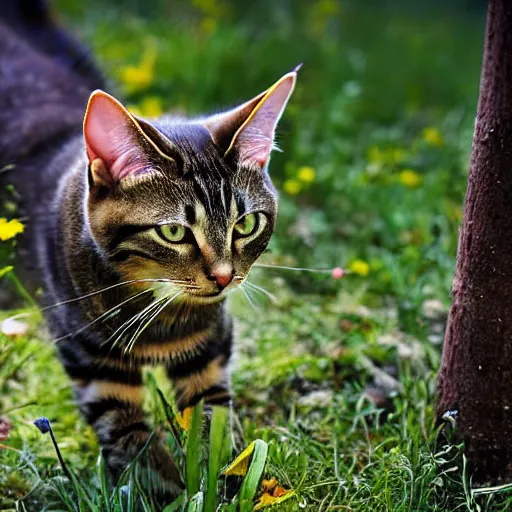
x=182 y=283
x=124 y=283
x=245 y=292
x=298 y=269
x=271 y=296
x=105 y=314
x=140 y=330
x=126 y=325
x=156 y=305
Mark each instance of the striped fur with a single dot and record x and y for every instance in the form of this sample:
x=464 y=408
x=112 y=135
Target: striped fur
x=92 y=233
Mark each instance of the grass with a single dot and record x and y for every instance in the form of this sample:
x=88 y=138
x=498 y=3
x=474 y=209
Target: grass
x=339 y=380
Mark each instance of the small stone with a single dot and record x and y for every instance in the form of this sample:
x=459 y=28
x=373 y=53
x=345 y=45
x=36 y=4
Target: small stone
x=434 y=309
x=320 y=398
x=12 y=327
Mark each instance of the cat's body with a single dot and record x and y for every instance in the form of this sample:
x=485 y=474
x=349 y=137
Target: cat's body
x=136 y=234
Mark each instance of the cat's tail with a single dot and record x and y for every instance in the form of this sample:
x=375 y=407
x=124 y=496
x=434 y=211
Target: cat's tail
x=34 y=22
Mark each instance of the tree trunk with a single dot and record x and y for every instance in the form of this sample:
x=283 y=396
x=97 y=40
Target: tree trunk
x=476 y=371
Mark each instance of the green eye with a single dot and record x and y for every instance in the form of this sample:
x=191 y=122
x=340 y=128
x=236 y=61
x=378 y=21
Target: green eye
x=172 y=232
x=247 y=225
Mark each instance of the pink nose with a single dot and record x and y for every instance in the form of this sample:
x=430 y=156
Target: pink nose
x=222 y=274
x=223 y=279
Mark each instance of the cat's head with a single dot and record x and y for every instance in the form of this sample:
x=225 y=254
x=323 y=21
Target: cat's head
x=185 y=200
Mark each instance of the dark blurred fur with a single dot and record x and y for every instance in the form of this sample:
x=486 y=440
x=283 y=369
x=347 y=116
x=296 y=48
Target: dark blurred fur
x=81 y=238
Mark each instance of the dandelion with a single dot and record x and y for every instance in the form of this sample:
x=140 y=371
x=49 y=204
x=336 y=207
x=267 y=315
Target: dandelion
x=432 y=136
x=9 y=229
x=139 y=77
x=135 y=110
x=389 y=156
x=359 y=267
x=292 y=187
x=306 y=174
x=409 y=178
x=150 y=106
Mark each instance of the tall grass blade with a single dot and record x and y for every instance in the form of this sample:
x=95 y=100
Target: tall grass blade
x=219 y=437
x=251 y=481
x=193 y=450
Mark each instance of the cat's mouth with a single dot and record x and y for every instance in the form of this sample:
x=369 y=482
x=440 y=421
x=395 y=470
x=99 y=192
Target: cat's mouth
x=204 y=298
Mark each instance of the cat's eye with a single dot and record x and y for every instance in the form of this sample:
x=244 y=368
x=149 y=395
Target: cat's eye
x=172 y=232
x=247 y=225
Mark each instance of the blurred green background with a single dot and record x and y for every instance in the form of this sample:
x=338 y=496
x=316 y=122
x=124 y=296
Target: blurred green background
x=375 y=141
x=340 y=378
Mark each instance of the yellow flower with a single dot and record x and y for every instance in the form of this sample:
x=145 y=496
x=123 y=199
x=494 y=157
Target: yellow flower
x=389 y=156
x=9 y=229
x=359 y=267
x=139 y=77
x=292 y=187
x=432 y=136
x=135 y=110
x=306 y=174
x=185 y=418
x=272 y=494
x=151 y=106
x=409 y=178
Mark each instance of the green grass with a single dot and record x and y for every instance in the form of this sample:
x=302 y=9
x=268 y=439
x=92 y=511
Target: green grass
x=385 y=89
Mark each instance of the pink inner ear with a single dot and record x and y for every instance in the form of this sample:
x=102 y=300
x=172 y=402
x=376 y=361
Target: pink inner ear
x=256 y=137
x=111 y=135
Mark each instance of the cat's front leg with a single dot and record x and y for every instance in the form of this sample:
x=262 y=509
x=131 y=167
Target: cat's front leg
x=200 y=378
x=112 y=404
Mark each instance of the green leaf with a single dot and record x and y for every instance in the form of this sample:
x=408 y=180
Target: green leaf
x=196 y=503
x=251 y=482
x=220 y=446
x=193 y=450
x=5 y=270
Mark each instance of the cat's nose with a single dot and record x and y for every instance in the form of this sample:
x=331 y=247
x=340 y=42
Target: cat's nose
x=222 y=274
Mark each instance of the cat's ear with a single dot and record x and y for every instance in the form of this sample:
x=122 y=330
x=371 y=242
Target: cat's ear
x=249 y=129
x=112 y=140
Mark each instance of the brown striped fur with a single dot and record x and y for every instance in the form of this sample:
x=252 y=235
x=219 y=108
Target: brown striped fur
x=94 y=224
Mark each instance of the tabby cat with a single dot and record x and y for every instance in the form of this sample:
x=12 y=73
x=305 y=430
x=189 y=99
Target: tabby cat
x=138 y=229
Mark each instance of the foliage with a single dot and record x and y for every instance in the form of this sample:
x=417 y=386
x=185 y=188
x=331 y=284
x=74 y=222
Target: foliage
x=339 y=378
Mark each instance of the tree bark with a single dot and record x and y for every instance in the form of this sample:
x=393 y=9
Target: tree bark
x=476 y=370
